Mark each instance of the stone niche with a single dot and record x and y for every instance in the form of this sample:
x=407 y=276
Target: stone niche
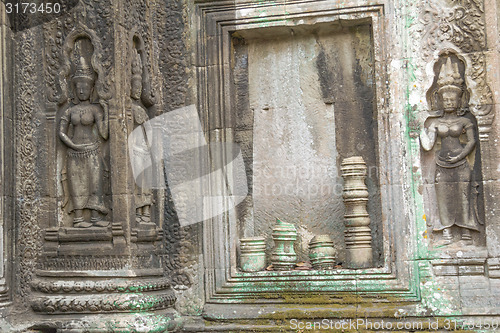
x=305 y=100
x=300 y=93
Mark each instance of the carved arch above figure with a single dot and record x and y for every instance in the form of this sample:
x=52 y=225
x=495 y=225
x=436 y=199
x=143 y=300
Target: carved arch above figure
x=479 y=95
x=148 y=97
x=102 y=86
x=460 y=26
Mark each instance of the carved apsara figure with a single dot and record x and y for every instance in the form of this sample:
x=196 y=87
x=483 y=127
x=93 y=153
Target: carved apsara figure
x=141 y=147
x=82 y=122
x=453 y=171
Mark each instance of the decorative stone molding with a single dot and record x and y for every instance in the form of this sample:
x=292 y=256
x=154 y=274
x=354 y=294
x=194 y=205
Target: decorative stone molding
x=493 y=265
x=459 y=267
x=92 y=263
x=102 y=304
x=29 y=240
x=90 y=286
x=6 y=162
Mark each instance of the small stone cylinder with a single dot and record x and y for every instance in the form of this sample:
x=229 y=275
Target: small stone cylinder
x=321 y=252
x=253 y=254
x=357 y=235
x=284 y=257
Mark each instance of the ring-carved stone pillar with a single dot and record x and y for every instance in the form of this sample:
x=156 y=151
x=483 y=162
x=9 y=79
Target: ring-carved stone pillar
x=358 y=238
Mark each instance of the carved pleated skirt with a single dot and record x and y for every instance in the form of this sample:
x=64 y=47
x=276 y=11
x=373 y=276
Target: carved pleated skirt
x=85 y=179
x=453 y=193
x=144 y=179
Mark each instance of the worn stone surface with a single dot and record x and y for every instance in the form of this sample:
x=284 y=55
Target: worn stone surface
x=299 y=86
x=82 y=249
x=295 y=168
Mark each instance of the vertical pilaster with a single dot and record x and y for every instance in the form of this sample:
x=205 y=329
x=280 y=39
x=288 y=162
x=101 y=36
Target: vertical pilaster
x=108 y=271
x=490 y=149
x=5 y=158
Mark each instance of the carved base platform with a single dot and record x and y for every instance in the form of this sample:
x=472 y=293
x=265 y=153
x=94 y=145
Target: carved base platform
x=146 y=232
x=102 y=291
x=90 y=241
x=161 y=321
x=4 y=294
x=104 y=301
x=98 y=295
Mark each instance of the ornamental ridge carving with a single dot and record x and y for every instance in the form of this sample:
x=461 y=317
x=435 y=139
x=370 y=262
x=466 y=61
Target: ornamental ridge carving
x=56 y=31
x=180 y=242
x=462 y=25
x=85 y=263
x=49 y=287
x=27 y=205
x=53 y=42
x=107 y=303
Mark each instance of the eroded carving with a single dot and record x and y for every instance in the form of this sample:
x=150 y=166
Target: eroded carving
x=95 y=263
x=462 y=26
x=84 y=162
x=141 y=98
x=456 y=192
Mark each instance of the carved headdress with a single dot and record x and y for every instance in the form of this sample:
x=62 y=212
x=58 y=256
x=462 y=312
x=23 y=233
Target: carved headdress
x=137 y=67
x=83 y=70
x=449 y=78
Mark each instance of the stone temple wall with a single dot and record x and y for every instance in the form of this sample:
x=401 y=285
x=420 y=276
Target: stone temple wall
x=249 y=165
